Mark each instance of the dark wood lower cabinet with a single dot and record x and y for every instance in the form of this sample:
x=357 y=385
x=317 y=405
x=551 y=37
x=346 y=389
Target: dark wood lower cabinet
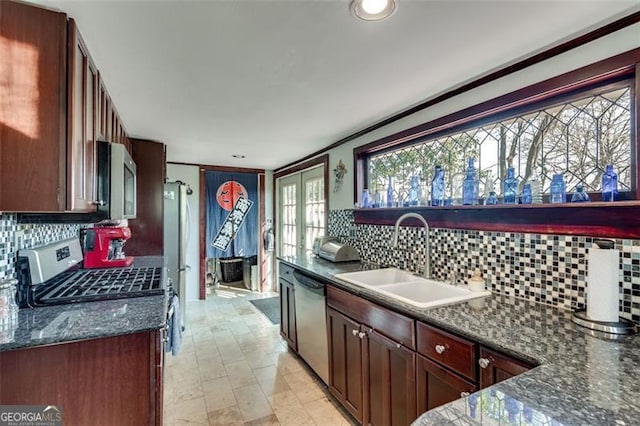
x=438 y=386
x=496 y=367
x=288 y=328
x=109 y=381
x=346 y=354
x=390 y=382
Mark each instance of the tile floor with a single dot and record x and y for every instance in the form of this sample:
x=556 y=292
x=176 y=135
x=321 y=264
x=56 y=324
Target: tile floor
x=235 y=369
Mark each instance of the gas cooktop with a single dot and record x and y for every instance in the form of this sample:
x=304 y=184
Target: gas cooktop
x=100 y=284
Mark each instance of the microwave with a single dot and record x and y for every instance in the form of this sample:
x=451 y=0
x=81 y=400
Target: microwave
x=116 y=181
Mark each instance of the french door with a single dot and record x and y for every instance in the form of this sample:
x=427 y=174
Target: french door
x=301 y=211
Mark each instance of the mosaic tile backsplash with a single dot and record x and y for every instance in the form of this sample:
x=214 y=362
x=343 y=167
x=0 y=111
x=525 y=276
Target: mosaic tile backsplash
x=549 y=269
x=15 y=236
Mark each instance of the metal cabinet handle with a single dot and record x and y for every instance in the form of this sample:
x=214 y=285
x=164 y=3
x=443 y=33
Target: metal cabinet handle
x=354 y=332
x=464 y=394
x=398 y=345
x=440 y=348
x=362 y=334
x=98 y=203
x=484 y=362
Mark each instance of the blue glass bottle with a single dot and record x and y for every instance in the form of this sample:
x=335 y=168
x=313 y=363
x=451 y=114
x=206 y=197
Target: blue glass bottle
x=390 y=194
x=365 y=199
x=377 y=199
x=471 y=185
x=580 y=196
x=609 y=184
x=414 y=191
x=527 y=197
x=558 y=189
x=510 y=187
x=438 y=187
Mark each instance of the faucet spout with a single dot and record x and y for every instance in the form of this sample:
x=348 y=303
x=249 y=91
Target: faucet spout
x=396 y=228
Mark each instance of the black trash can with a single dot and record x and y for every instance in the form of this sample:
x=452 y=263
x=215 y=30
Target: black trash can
x=248 y=262
x=231 y=269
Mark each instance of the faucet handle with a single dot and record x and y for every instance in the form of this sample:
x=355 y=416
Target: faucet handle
x=453 y=278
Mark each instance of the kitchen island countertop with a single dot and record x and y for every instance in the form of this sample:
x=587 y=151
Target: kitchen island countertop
x=581 y=379
x=89 y=320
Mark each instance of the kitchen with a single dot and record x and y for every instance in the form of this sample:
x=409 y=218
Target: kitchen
x=50 y=185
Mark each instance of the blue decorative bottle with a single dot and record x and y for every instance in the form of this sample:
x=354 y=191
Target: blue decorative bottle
x=414 y=191
x=527 y=197
x=510 y=187
x=580 y=196
x=437 y=187
x=377 y=199
x=365 y=199
x=609 y=184
x=390 y=194
x=558 y=189
x=471 y=185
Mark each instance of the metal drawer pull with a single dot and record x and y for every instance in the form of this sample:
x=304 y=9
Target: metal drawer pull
x=362 y=334
x=464 y=394
x=440 y=348
x=354 y=332
x=398 y=345
x=484 y=362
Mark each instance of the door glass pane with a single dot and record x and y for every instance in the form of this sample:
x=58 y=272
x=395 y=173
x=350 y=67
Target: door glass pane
x=314 y=211
x=288 y=220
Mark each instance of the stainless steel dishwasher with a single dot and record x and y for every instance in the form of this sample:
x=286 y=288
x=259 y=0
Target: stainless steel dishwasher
x=311 y=323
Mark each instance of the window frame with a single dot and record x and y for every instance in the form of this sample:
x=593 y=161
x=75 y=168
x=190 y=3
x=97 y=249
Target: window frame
x=518 y=218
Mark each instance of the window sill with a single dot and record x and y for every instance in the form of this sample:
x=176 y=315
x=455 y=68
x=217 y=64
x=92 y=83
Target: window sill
x=620 y=219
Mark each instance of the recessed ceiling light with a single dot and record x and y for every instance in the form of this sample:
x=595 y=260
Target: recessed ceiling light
x=238 y=156
x=373 y=10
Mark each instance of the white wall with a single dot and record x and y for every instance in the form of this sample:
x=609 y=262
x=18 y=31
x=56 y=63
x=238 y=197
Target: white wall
x=618 y=42
x=191 y=176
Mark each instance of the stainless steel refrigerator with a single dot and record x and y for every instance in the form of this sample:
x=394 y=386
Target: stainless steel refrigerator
x=175 y=239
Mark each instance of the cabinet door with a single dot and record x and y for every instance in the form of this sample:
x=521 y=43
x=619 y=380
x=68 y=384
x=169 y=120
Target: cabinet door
x=438 y=386
x=33 y=102
x=390 y=382
x=82 y=109
x=288 y=314
x=346 y=351
x=496 y=367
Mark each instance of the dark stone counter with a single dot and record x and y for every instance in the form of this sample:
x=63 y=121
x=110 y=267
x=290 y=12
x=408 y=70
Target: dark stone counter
x=91 y=320
x=582 y=379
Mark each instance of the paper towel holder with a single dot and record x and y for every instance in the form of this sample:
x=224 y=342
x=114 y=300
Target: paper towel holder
x=621 y=327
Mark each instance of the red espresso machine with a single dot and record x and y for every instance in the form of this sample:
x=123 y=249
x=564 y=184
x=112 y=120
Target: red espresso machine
x=104 y=246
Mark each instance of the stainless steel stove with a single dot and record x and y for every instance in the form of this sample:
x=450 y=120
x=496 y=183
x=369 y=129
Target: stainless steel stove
x=51 y=275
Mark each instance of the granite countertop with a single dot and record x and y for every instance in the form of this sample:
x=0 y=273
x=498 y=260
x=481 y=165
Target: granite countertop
x=90 y=320
x=581 y=379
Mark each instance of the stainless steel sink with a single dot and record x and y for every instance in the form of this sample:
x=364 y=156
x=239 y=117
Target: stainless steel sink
x=406 y=287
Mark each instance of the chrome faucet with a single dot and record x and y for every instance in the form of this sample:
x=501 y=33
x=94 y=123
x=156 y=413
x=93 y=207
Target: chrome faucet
x=427 y=261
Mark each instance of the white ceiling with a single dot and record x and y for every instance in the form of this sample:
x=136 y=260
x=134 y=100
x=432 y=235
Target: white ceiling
x=277 y=80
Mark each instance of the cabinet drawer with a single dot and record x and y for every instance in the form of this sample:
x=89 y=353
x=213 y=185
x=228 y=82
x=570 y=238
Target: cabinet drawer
x=391 y=324
x=286 y=272
x=456 y=353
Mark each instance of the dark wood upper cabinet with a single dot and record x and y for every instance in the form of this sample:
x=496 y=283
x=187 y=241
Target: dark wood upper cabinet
x=147 y=237
x=54 y=108
x=82 y=117
x=33 y=128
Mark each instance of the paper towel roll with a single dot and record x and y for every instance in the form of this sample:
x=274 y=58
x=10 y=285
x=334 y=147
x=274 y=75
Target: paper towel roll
x=602 y=284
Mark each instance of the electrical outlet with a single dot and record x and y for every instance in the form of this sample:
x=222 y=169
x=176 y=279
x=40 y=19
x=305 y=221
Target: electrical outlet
x=353 y=232
x=18 y=239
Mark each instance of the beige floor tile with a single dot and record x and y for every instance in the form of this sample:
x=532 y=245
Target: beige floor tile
x=305 y=388
x=289 y=410
x=228 y=416
x=323 y=412
x=240 y=374
x=193 y=411
x=252 y=402
x=258 y=359
x=218 y=394
x=286 y=363
x=211 y=370
x=270 y=420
